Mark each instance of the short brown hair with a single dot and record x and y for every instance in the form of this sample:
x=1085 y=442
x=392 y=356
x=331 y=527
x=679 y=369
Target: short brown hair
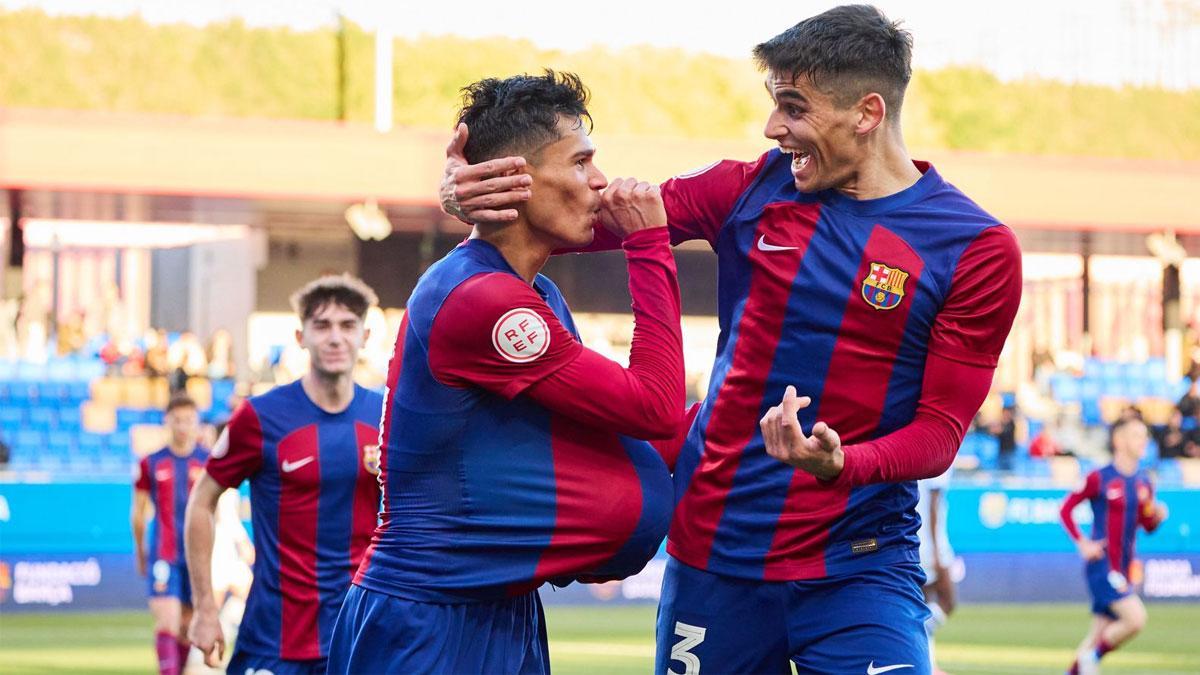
x=343 y=289
x=181 y=401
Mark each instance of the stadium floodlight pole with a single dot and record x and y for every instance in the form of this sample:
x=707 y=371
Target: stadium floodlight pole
x=383 y=78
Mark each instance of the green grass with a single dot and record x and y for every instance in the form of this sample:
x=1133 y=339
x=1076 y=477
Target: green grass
x=997 y=639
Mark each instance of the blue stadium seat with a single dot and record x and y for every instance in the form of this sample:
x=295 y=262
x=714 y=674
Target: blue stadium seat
x=79 y=391
x=43 y=418
x=14 y=415
x=118 y=444
x=1155 y=369
x=127 y=417
x=152 y=416
x=30 y=439
x=1065 y=388
x=91 y=443
x=89 y=370
x=70 y=418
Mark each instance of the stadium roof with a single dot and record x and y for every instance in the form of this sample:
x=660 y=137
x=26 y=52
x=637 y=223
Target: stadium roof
x=67 y=151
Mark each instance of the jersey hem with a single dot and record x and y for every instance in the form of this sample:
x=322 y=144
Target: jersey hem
x=800 y=571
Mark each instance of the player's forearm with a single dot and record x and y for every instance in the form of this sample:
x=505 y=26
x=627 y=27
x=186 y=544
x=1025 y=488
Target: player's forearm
x=656 y=352
x=1067 y=517
x=951 y=393
x=138 y=526
x=645 y=400
x=199 y=528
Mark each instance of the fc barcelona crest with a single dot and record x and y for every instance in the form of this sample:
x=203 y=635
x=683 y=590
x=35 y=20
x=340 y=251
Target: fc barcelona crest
x=884 y=286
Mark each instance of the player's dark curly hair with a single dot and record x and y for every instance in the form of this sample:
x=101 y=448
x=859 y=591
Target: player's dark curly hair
x=846 y=52
x=518 y=115
x=341 y=289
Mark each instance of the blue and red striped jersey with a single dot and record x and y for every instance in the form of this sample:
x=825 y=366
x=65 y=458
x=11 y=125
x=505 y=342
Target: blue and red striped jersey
x=314 y=504
x=882 y=311
x=504 y=463
x=1120 y=503
x=168 y=478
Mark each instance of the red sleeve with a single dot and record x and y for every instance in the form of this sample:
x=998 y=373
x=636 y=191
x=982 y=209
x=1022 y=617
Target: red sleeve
x=1091 y=488
x=644 y=400
x=951 y=393
x=141 y=477
x=669 y=448
x=238 y=453
x=984 y=294
x=1147 y=513
x=699 y=202
x=494 y=331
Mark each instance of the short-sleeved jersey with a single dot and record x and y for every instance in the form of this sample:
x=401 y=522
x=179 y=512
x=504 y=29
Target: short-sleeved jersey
x=487 y=493
x=1119 y=504
x=314 y=504
x=168 y=478
x=844 y=299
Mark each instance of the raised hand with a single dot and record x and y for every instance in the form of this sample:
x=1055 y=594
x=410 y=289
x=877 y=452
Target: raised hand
x=629 y=205
x=819 y=454
x=486 y=193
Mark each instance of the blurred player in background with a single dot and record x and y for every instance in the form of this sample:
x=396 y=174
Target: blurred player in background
x=852 y=274
x=504 y=461
x=314 y=503
x=1122 y=499
x=937 y=557
x=163 y=480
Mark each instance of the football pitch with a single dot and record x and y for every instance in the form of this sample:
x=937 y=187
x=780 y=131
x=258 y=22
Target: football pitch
x=979 y=639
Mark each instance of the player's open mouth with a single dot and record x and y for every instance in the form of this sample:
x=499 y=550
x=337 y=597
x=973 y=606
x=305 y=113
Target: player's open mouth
x=800 y=158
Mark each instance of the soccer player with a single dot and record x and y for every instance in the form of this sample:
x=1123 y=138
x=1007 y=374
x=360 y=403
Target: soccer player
x=937 y=557
x=861 y=278
x=509 y=456
x=1122 y=498
x=163 y=479
x=314 y=503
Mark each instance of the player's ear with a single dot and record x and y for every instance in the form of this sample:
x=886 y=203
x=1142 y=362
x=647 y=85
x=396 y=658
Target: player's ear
x=872 y=111
x=300 y=336
x=366 y=335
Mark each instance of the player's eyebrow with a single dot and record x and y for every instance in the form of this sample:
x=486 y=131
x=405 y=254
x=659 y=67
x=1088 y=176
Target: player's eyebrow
x=583 y=154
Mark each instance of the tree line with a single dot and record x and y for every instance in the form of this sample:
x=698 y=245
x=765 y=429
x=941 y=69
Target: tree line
x=230 y=69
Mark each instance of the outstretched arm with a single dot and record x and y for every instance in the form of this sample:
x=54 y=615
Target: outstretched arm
x=205 y=631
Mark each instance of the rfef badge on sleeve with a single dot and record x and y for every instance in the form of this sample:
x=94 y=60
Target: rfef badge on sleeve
x=521 y=335
x=884 y=286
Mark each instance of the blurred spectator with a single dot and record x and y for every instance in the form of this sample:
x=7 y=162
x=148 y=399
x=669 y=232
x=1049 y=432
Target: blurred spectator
x=1189 y=404
x=1174 y=441
x=71 y=337
x=1006 y=432
x=220 y=355
x=31 y=324
x=186 y=359
x=1044 y=444
x=5 y=453
x=9 y=347
x=157 y=364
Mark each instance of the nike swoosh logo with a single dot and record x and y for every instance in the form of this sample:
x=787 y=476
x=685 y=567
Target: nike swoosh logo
x=289 y=467
x=872 y=670
x=764 y=246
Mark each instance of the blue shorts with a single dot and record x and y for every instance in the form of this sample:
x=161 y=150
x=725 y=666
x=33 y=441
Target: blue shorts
x=169 y=580
x=871 y=621
x=1106 y=586
x=244 y=662
x=380 y=633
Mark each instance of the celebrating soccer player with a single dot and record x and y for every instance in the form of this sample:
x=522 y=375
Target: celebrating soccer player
x=305 y=448
x=853 y=275
x=164 y=479
x=1122 y=498
x=507 y=458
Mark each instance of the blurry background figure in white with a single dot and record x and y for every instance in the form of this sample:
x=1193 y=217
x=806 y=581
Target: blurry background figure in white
x=942 y=570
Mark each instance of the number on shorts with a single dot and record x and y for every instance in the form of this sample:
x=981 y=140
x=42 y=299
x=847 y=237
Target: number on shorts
x=691 y=636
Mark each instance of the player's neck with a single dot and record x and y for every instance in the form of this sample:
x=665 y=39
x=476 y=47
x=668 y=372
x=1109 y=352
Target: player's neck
x=887 y=169
x=331 y=393
x=521 y=248
x=181 y=450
